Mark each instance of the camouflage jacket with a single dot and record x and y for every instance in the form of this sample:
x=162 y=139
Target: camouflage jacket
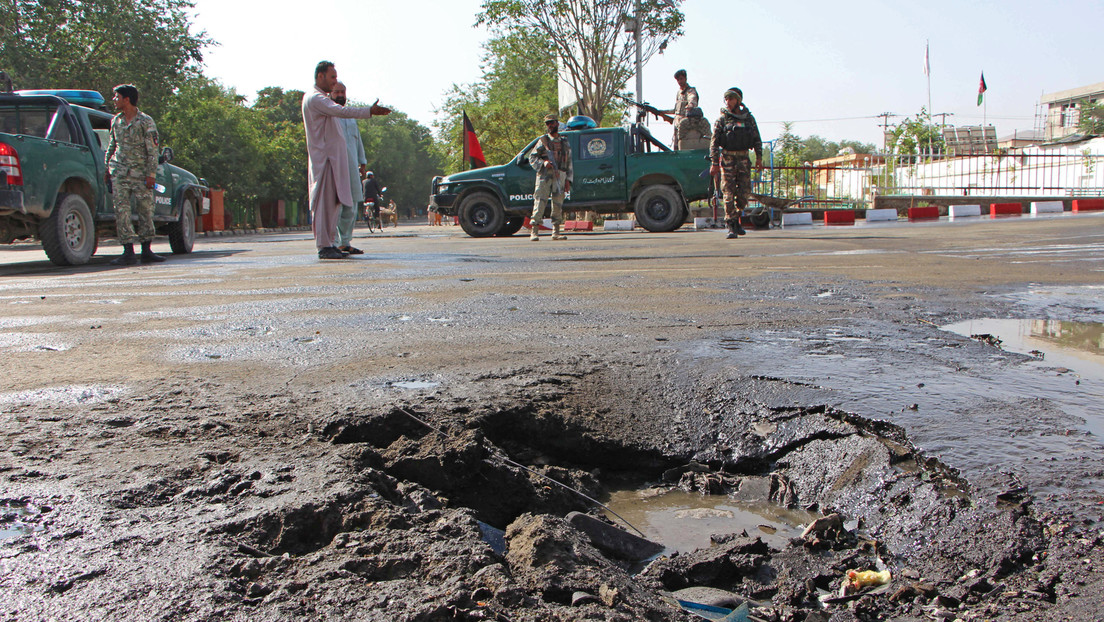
x=685 y=100
x=556 y=150
x=132 y=147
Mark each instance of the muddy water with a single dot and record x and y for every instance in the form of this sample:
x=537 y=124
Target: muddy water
x=683 y=521
x=998 y=417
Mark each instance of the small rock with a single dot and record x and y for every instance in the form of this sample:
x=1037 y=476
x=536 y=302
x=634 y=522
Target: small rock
x=823 y=525
x=609 y=595
x=582 y=598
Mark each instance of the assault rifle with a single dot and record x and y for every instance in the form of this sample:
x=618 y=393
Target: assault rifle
x=643 y=109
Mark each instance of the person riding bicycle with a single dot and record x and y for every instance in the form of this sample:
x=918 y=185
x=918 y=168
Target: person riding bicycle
x=372 y=192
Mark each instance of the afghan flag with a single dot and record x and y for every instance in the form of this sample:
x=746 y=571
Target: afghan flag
x=981 y=89
x=473 y=153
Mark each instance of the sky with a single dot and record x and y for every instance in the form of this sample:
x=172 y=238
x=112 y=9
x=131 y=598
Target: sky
x=829 y=68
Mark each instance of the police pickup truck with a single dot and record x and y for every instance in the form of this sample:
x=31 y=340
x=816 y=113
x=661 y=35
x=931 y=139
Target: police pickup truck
x=616 y=171
x=52 y=178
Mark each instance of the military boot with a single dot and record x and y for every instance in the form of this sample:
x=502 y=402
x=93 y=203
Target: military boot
x=556 y=235
x=739 y=227
x=127 y=258
x=148 y=256
x=732 y=234
x=534 y=234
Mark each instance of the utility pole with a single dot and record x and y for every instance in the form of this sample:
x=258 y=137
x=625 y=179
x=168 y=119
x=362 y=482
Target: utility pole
x=885 y=129
x=943 y=117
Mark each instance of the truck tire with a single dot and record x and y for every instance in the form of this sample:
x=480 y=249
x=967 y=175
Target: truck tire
x=182 y=232
x=481 y=215
x=659 y=208
x=761 y=219
x=69 y=234
x=511 y=226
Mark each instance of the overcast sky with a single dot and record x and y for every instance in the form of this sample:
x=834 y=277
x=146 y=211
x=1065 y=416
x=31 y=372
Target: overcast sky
x=830 y=68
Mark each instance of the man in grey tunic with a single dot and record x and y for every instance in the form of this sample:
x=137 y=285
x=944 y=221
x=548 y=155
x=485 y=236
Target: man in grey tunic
x=358 y=164
x=328 y=174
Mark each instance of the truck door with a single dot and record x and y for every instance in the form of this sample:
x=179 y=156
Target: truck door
x=599 y=167
x=520 y=181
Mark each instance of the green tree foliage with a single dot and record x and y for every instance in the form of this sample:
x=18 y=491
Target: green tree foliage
x=78 y=44
x=916 y=135
x=589 y=39
x=285 y=166
x=506 y=106
x=1091 y=118
x=402 y=154
x=216 y=136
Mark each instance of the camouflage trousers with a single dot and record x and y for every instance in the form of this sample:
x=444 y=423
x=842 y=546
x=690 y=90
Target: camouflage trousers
x=735 y=184
x=545 y=193
x=126 y=191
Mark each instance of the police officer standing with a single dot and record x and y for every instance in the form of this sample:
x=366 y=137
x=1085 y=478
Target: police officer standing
x=735 y=134
x=131 y=160
x=551 y=159
x=685 y=100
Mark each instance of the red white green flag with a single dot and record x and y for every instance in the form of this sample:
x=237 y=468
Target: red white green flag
x=981 y=89
x=473 y=152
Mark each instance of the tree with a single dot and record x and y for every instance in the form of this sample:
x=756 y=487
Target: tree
x=77 y=44
x=589 y=39
x=916 y=135
x=217 y=137
x=402 y=154
x=1091 y=118
x=285 y=166
x=507 y=105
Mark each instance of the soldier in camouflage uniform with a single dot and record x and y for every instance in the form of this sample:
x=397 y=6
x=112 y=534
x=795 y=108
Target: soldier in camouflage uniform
x=131 y=160
x=735 y=134
x=685 y=99
x=551 y=159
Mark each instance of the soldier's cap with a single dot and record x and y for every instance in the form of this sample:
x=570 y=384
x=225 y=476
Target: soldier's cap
x=734 y=92
x=548 y=118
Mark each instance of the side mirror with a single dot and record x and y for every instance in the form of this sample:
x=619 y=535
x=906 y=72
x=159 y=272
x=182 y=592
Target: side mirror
x=523 y=164
x=383 y=189
x=166 y=155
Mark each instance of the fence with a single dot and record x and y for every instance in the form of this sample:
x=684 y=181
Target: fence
x=854 y=186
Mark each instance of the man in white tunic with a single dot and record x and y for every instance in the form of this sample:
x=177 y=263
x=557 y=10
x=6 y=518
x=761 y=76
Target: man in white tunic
x=328 y=175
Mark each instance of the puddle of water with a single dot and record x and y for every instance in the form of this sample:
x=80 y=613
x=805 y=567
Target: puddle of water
x=1078 y=346
x=64 y=396
x=414 y=384
x=683 y=521
x=13 y=522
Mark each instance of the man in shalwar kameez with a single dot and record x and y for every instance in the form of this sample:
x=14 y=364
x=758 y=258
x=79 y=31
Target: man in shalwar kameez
x=328 y=175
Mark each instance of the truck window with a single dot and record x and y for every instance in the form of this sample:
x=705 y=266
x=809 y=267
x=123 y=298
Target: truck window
x=26 y=121
x=59 y=127
x=596 y=146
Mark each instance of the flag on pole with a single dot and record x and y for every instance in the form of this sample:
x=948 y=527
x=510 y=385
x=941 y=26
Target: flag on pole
x=981 y=89
x=473 y=153
x=927 y=61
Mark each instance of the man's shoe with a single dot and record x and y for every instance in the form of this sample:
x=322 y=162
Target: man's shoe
x=350 y=250
x=128 y=258
x=148 y=256
x=331 y=252
x=732 y=235
x=740 y=229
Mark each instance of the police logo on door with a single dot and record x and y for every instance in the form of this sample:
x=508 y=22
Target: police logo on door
x=596 y=147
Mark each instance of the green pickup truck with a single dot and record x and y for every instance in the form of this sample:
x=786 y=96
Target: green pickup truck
x=615 y=172
x=52 y=178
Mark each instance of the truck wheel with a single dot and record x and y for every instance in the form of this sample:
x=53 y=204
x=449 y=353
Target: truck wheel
x=511 y=226
x=761 y=219
x=69 y=235
x=481 y=215
x=182 y=232
x=659 y=208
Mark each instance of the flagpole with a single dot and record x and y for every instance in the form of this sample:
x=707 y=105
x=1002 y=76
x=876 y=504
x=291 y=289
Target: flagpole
x=927 y=67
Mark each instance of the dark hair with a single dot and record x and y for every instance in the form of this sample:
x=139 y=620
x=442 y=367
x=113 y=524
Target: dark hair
x=321 y=68
x=681 y=73
x=128 y=91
